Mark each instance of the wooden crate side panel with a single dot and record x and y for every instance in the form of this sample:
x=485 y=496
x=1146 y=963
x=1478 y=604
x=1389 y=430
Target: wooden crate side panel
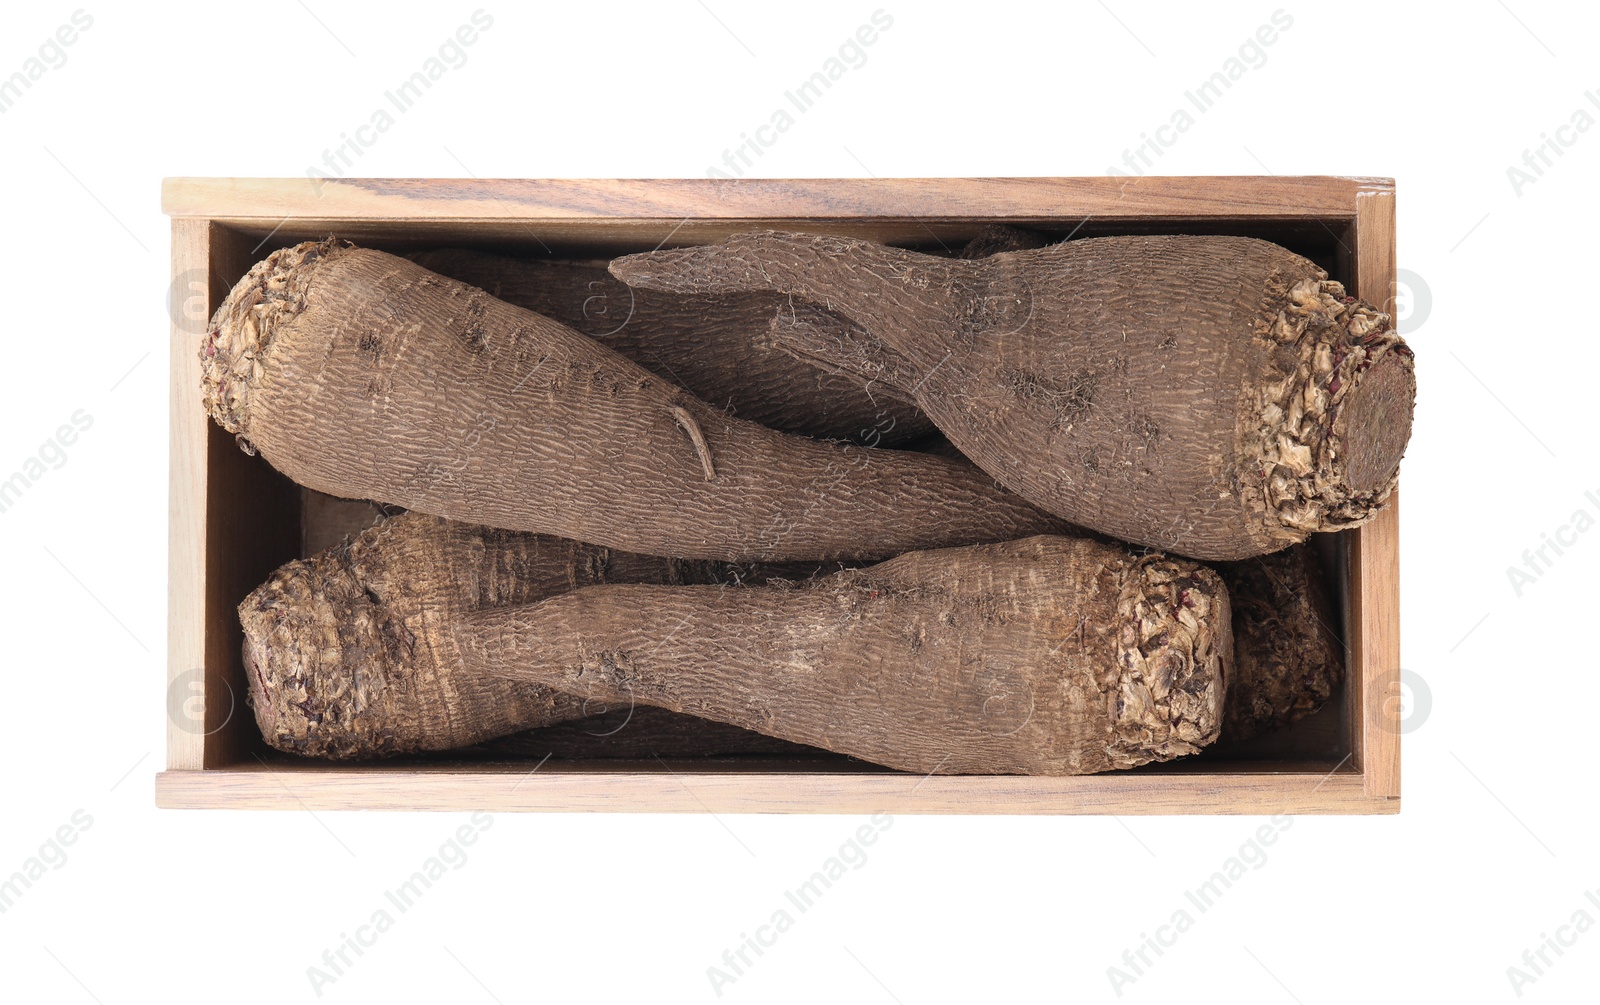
x=657 y=791
x=252 y=527
x=999 y=199
x=186 y=505
x=1375 y=554
x=218 y=499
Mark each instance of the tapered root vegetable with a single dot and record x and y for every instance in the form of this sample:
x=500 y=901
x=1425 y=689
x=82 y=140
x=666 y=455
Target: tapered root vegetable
x=364 y=375
x=1047 y=655
x=351 y=653
x=1288 y=659
x=1287 y=656
x=717 y=348
x=1218 y=397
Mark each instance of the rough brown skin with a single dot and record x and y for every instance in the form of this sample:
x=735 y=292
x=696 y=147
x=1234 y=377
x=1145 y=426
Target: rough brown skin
x=350 y=654
x=1287 y=655
x=621 y=733
x=1046 y=655
x=1288 y=659
x=363 y=375
x=1217 y=397
x=718 y=348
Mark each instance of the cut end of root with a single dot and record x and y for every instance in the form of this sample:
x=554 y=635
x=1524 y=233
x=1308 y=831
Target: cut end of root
x=1374 y=423
x=1327 y=438
x=1174 y=654
x=314 y=657
x=242 y=330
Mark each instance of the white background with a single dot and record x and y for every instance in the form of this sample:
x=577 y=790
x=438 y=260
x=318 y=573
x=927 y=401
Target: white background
x=1494 y=848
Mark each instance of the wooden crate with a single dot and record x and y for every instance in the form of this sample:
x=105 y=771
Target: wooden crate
x=233 y=519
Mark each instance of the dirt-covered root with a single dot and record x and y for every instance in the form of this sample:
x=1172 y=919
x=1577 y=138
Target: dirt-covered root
x=350 y=654
x=1174 y=656
x=1328 y=437
x=362 y=375
x=715 y=347
x=241 y=333
x=1214 y=396
x=346 y=656
x=904 y=297
x=1046 y=655
x=832 y=344
x=332 y=677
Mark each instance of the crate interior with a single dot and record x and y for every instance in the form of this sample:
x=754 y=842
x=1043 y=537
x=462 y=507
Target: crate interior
x=257 y=520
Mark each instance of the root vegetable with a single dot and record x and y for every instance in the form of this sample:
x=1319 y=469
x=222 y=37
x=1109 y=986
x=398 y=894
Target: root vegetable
x=716 y=348
x=1288 y=659
x=1287 y=656
x=1047 y=655
x=1219 y=397
x=350 y=653
x=363 y=375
